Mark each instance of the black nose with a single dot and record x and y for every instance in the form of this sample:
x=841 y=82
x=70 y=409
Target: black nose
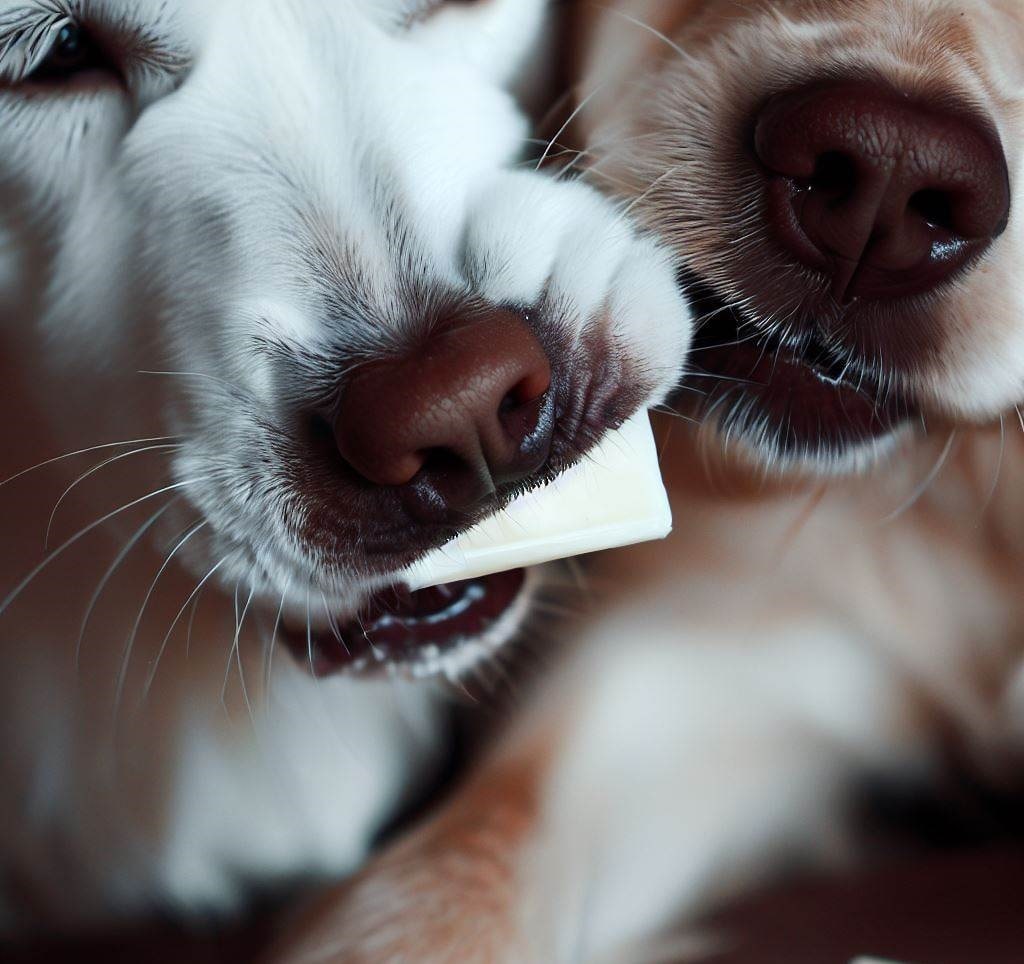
x=469 y=411
x=888 y=195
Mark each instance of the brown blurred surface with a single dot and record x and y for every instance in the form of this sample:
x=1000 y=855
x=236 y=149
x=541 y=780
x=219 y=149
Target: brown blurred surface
x=958 y=908
x=159 y=944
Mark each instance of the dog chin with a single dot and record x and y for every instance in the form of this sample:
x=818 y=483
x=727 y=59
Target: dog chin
x=771 y=429
x=755 y=450
x=791 y=406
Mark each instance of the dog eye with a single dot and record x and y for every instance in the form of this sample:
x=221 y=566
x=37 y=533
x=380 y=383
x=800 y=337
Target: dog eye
x=73 y=52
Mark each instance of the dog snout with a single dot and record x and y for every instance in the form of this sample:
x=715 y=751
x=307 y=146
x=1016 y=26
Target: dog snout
x=470 y=410
x=887 y=195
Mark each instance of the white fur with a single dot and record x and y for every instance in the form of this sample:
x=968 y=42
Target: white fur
x=300 y=174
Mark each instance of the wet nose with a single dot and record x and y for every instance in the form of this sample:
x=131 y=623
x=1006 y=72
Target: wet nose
x=469 y=411
x=888 y=195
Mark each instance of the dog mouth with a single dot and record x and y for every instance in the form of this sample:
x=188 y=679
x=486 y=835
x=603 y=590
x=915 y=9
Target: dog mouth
x=430 y=632
x=792 y=398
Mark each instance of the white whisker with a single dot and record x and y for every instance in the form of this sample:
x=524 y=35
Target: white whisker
x=651 y=30
x=653 y=186
x=335 y=629
x=108 y=575
x=561 y=130
x=194 y=595
x=81 y=534
x=273 y=639
x=230 y=659
x=92 y=448
x=130 y=644
x=188 y=632
x=93 y=471
x=223 y=382
x=309 y=636
x=237 y=647
x=999 y=467
x=926 y=484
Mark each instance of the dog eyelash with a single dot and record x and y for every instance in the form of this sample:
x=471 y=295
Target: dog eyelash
x=44 y=43
x=27 y=35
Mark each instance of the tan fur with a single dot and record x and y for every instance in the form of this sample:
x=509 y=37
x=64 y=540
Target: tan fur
x=930 y=601
x=666 y=110
x=458 y=877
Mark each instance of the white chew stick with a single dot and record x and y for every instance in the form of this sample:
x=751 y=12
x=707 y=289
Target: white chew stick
x=613 y=497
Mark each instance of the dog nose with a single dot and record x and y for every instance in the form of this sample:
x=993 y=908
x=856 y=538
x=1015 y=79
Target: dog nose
x=468 y=411
x=887 y=195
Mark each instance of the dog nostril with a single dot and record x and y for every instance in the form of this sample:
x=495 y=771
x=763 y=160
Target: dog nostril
x=509 y=403
x=524 y=420
x=532 y=386
x=438 y=464
x=934 y=207
x=835 y=176
x=521 y=410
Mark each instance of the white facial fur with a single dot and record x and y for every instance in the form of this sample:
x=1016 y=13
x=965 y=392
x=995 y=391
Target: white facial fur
x=278 y=192
x=272 y=191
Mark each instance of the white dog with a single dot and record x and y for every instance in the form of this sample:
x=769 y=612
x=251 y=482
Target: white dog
x=227 y=230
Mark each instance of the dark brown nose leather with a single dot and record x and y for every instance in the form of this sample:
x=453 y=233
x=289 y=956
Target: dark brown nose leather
x=466 y=413
x=888 y=195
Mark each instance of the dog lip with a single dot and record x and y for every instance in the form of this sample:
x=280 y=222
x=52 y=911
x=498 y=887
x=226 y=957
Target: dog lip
x=801 y=399
x=401 y=630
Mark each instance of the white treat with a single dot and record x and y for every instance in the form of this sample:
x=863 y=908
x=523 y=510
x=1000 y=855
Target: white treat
x=614 y=497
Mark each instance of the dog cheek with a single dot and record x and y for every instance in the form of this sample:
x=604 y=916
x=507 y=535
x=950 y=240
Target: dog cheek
x=529 y=236
x=979 y=371
x=514 y=230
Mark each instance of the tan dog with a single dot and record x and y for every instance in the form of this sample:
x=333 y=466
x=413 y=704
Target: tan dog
x=835 y=177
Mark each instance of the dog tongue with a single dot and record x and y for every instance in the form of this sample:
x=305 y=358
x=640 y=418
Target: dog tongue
x=613 y=497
